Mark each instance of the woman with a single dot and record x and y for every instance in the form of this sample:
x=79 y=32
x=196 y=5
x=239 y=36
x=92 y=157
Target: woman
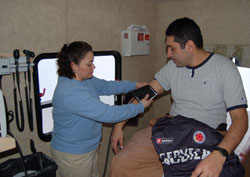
x=78 y=112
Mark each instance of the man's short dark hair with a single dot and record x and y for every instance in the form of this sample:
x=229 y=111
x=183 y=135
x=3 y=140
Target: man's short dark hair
x=184 y=29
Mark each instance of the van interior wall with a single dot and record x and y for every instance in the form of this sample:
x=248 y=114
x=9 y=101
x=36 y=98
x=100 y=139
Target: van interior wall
x=44 y=26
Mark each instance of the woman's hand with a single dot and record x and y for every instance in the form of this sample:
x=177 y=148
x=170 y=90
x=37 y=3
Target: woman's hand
x=146 y=102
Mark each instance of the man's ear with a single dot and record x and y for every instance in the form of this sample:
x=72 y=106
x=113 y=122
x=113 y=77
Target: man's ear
x=190 y=46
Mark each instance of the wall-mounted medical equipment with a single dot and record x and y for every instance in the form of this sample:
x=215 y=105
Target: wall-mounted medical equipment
x=14 y=65
x=8 y=66
x=29 y=101
x=135 y=40
x=108 y=67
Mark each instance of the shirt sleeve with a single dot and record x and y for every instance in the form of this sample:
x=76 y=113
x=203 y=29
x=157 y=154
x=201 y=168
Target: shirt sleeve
x=233 y=90
x=163 y=76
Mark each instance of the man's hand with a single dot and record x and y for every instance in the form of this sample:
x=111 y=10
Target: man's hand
x=141 y=84
x=211 y=166
x=117 y=138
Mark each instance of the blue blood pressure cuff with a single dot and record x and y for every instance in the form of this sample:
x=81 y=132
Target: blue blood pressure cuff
x=140 y=93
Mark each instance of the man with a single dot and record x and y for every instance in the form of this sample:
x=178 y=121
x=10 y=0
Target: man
x=204 y=86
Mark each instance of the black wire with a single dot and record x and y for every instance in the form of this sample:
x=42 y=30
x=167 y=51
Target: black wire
x=19 y=123
x=11 y=115
x=21 y=155
x=25 y=79
x=28 y=103
x=1 y=82
x=107 y=156
x=28 y=91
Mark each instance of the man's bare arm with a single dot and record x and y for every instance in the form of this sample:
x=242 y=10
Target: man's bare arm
x=236 y=131
x=213 y=164
x=117 y=135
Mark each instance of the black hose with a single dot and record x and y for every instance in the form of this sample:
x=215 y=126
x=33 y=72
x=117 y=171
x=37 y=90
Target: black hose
x=107 y=156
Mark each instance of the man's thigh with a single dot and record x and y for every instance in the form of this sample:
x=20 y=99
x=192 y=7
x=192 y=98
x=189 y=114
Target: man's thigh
x=138 y=158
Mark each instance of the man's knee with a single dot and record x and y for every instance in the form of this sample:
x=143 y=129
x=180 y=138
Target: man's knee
x=118 y=160
x=117 y=166
x=115 y=161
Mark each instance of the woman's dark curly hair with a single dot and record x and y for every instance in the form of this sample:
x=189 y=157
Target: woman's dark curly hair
x=73 y=52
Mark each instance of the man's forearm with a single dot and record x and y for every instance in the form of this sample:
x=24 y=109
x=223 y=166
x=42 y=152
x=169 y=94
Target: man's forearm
x=121 y=125
x=236 y=131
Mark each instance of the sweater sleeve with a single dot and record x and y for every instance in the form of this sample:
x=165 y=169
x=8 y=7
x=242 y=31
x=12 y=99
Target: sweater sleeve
x=80 y=101
x=104 y=87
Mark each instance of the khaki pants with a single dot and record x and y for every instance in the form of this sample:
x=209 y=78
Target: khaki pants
x=76 y=165
x=138 y=158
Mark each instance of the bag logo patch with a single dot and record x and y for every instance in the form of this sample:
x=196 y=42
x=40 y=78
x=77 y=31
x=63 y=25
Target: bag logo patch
x=199 y=137
x=165 y=140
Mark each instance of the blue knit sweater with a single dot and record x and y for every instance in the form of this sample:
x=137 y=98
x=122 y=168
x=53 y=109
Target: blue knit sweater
x=78 y=112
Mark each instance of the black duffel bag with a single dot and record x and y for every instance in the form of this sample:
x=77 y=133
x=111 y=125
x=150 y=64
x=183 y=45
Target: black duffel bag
x=183 y=142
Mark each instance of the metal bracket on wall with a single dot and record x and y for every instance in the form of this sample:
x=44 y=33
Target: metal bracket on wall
x=7 y=65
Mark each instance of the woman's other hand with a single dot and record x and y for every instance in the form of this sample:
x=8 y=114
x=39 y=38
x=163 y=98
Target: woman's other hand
x=146 y=102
